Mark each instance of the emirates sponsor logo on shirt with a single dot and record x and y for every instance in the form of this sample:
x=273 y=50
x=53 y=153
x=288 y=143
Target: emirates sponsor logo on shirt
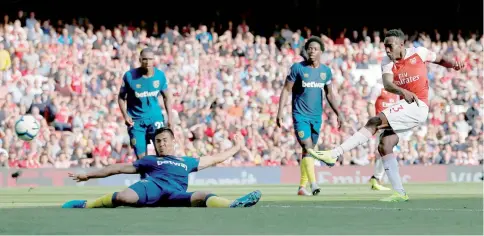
x=403 y=78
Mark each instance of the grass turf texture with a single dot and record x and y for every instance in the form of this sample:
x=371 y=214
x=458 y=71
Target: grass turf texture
x=339 y=209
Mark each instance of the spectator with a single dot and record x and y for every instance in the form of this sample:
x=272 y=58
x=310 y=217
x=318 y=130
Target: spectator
x=223 y=83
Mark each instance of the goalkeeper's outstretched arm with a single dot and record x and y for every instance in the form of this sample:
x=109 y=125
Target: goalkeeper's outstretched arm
x=115 y=169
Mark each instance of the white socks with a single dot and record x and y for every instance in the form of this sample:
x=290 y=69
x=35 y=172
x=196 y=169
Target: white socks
x=379 y=170
x=359 y=138
x=314 y=186
x=391 y=168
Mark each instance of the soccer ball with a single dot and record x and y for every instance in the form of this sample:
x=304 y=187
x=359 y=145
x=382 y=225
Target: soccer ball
x=27 y=127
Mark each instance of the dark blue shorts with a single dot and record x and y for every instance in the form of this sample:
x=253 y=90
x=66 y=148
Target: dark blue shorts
x=142 y=132
x=152 y=195
x=307 y=128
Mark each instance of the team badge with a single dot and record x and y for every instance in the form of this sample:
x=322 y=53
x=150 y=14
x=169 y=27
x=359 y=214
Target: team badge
x=301 y=134
x=133 y=141
x=138 y=86
x=322 y=75
x=306 y=75
x=156 y=83
x=413 y=60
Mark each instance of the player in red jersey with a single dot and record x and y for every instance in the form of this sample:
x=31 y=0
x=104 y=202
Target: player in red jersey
x=404 y=73
x=380 y=99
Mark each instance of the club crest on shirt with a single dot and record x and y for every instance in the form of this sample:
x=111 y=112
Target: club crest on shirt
x=322 y=75
x=156 y=83
x=413 y=60
x=138 y=86
x=301 y=134
x=306 y=75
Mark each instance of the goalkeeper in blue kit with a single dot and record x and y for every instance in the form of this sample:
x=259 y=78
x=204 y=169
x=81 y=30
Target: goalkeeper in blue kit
x=167 y=183
x=138 y=102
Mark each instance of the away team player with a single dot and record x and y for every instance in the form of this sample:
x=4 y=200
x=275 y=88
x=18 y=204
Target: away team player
x=167 y=183
x=404 y=73
x=138 y=101
x=306 y=82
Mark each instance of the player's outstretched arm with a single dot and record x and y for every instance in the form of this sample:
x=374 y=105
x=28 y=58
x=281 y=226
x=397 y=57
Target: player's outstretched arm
x=443 y=60
x=211 y=160
x=115 y=169
x=448 y=62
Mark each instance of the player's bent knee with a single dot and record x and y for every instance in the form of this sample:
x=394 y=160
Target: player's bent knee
x=198 y=198
x=306 y=144
x=374 y=122
x=127 y=196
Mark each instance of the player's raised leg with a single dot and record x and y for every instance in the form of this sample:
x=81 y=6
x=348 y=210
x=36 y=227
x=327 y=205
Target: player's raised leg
x=362 y=136
x=388 y=141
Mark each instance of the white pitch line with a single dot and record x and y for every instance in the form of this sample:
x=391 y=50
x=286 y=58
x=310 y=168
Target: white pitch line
x=375 y=208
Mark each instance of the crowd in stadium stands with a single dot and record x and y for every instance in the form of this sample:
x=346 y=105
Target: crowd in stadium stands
x=224 y=82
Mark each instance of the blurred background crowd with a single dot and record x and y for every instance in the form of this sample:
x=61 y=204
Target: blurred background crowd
x=225 y=80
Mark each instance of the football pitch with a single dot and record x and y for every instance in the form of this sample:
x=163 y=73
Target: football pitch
x=339 y=209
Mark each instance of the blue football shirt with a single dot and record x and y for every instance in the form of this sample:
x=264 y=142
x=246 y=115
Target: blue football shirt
x=142 y=93
x=168 y=171
x=307 y=92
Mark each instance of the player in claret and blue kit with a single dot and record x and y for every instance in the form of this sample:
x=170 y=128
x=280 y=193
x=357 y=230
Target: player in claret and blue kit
x=167 y=183
x=138 y=101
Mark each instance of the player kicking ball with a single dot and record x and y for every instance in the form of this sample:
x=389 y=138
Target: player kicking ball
x=166 y=185
x=404 y=73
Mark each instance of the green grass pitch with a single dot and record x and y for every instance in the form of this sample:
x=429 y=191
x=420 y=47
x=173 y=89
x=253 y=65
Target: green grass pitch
x=339 y=209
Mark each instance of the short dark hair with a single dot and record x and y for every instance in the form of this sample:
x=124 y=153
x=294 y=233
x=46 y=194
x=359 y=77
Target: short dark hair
x=163 y=130
x=395 y=33
x=314 y=39
x=145 y=50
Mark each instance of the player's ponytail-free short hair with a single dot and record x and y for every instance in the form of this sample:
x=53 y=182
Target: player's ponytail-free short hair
x=163 y=130
x=395 y=33
x=314 y=39
x=145 y=50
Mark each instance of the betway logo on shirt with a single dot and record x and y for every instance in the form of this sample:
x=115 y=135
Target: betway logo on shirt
x=403 y=78
x=173 y=164
x=312 y=85
x=146 y=94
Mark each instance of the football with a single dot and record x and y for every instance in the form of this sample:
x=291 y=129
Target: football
x=27 y=127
